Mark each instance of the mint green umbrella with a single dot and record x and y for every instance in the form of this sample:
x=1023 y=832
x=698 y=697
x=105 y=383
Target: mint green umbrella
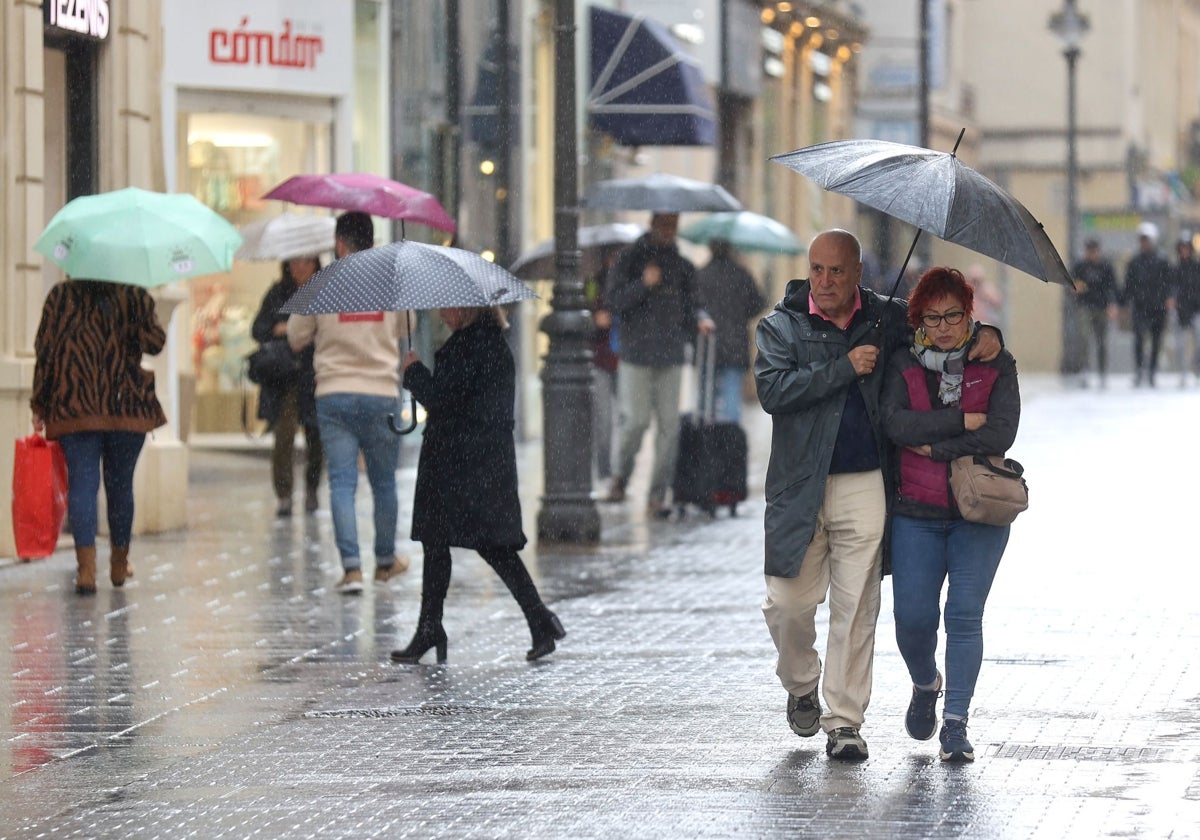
x=745 y=231
x=138 y=237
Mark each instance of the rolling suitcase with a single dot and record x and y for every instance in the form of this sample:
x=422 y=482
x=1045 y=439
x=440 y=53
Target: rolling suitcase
x=710 y=472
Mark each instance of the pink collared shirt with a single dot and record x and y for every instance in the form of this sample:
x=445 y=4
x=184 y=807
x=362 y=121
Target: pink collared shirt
x=813 y=309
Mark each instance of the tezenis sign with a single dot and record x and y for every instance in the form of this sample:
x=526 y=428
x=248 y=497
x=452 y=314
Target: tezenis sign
x=88 y=18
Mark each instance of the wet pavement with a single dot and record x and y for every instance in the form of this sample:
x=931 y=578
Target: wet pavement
x=228 y=691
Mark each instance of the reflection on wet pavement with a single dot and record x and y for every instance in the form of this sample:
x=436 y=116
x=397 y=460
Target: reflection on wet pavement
x=227 y=690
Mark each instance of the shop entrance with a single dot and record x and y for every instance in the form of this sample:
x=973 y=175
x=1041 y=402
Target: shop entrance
x=232 y=152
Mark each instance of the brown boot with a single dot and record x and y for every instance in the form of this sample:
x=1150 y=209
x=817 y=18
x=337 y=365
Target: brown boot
x=119 y=567
x=85 y=571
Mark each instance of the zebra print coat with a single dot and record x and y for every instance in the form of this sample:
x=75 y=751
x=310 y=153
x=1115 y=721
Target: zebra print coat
x=89 y=345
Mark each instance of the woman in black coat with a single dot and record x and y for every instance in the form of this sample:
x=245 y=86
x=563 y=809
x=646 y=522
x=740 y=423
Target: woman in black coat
x=466 y=493
x=292 y=403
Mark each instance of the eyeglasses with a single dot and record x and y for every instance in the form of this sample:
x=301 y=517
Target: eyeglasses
x=952 y=319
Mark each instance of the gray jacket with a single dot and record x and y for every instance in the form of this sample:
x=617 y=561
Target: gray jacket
x=802 y=375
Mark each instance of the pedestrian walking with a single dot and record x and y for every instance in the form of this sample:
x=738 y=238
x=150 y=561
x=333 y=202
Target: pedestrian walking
x=356 y=359
x=466 y=490
x=651 y=289
x=937 y=406
x=92 y=395
x=604 y=368
x=291 y=403
x=1096 y=297
x=1146 y=292
x=822 y=352
x=1185 y=288
x=731 y=298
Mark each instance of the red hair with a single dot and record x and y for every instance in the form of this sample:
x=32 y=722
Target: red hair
x=939 y=282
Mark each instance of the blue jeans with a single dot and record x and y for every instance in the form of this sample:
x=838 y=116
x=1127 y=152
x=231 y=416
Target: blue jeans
x=86 y=454
x=349 y=424
x=924 y=553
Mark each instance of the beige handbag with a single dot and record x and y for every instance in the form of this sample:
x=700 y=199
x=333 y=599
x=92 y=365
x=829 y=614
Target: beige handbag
x=988 y=489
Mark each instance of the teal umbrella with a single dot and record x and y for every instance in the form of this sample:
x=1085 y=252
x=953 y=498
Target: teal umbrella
x=138 y=237
x=745 y=231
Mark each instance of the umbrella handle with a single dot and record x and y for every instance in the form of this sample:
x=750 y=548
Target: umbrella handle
x=412 y=424
x=412 y=398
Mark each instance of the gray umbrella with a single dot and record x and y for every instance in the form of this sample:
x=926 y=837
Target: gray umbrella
x=406 y=275
x=538 y=262
x=934 y=192
x=659 y=193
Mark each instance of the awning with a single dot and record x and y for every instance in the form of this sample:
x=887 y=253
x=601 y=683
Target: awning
x=646 y=91
x=483 y=114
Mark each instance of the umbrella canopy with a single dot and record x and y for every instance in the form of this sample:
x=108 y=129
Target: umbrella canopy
x=286 y=236
x=659 y=193
x=366 y=193
x=138 y=237
x=936 y=193
x=745 y=231
x=538 y=262
x=406 y=275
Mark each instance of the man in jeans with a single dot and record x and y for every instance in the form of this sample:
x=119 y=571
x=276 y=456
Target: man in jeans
x=651 y=289
x=357 y=361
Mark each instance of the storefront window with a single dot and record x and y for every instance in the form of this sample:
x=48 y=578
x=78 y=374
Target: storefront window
x=229 y=161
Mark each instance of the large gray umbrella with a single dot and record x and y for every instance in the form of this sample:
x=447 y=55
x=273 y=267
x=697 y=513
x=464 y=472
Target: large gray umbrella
x=937 y=193
x=406 y=275
x=659 y=193
x=538 y=262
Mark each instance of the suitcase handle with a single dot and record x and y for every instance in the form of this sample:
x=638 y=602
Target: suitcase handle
x=706 y=371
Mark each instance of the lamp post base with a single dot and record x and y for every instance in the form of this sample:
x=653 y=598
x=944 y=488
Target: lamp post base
x=571 y=520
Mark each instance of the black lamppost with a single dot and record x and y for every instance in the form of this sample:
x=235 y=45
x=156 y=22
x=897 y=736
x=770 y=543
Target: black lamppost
x=1070 y=26
x=568 y=511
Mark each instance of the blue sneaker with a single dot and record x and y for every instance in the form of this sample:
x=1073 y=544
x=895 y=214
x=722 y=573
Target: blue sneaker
x=920 y=721
x=955 y=746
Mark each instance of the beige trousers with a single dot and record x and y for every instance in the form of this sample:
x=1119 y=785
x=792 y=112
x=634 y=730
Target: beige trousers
x=843 y=561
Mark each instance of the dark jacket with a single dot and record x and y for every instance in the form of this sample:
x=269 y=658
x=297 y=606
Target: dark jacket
x=466 y=492
x=656 y=324
x=923 y=488
x=1185 y=286
x=88 y=376
x=270 y=398
x=731 y=298
x=803 y=375
x=1147 y=284
x=1101 y=282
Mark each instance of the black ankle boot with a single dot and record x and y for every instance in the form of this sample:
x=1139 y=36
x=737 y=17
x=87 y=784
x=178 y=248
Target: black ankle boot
x=546 y=631
x=426 y=637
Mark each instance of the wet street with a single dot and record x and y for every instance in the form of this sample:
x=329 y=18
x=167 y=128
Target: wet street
x=228 y=691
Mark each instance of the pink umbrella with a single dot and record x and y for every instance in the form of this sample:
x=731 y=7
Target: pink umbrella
x=367 y=193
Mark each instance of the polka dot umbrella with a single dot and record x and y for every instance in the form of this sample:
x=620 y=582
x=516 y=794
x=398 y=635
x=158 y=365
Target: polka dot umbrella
x=402 y=276
x=407 y=275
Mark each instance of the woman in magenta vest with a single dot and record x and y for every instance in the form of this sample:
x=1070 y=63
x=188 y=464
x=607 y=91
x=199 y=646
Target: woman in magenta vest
x=936 y=407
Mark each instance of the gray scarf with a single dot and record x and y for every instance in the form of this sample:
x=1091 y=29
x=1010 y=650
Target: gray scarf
x=948 y=363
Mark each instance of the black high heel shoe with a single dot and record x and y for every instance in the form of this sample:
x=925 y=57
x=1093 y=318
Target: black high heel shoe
x=549 y=631
x=424 y=639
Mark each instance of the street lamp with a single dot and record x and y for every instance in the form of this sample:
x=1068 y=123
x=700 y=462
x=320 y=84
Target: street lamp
x=1070 y=26
x=568 y=511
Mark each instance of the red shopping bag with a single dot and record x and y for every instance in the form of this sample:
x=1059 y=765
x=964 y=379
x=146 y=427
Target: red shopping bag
x=39 y=495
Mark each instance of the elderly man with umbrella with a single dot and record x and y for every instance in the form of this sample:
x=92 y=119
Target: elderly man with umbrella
x=822 y=353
